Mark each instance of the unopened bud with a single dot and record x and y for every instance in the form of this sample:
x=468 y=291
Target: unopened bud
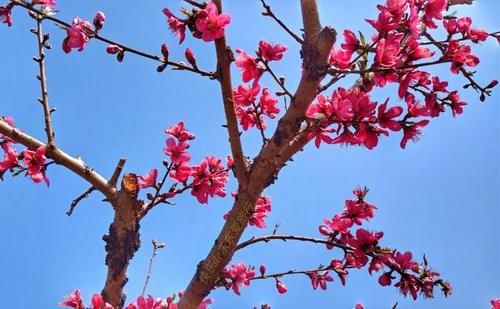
x=99 y=20
x=190 y=57
x=164 y=50
x=113 y=49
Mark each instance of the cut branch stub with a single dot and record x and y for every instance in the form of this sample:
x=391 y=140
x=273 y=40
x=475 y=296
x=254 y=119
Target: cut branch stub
x=122 y=241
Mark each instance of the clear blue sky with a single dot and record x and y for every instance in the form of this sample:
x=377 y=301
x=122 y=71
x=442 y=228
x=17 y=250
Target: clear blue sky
x=439 y=197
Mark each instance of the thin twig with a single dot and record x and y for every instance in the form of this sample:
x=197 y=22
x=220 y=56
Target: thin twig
x=270 y=13
x=44 y=100
x=464 y=72
x=258 y=113
x=125 y=48
x=268 y=238
x=492 y=34
x=278 y=80
x=77 y=200
x=156 y=200
x=156 y=246
x=196 y=4
x=408 y=66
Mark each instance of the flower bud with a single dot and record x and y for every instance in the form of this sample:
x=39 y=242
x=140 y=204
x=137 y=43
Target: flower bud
x=190 y=57
x=99 y=20
x=262 y=269
x=164 y=50
x=281 y=287
x=113 y=49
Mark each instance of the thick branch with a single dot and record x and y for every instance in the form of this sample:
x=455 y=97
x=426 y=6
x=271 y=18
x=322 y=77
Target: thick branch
x=122 y=241
x=77 y=166
x=318 y=43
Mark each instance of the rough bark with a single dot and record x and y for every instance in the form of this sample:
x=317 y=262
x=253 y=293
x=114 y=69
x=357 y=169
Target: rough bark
x=122 y=241
x=318 y=42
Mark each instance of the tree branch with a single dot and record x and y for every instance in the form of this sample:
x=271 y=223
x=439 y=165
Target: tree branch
x=77 y=166
x=285 y=238
x=44 y=100
x=125 y=48
x=271 y=14
x=316 y=50
x=224 y=59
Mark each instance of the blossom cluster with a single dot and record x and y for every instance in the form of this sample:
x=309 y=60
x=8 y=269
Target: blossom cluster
x=362 y=247
x=74 y=300
x=33 y=162
x=397 y=49
x=207 y=179
x=249 y=111
x=206 y=24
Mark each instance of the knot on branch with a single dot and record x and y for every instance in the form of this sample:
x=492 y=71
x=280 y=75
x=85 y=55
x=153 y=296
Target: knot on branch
x=315 y=53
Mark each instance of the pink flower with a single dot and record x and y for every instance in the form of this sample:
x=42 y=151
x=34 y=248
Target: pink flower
x=77 y=35
x=386 y=118
x=10 y=159
x=281 y=287
x=408 y=284
x=460 y=55
x=150 y=303
x=320 y=280
x=358 y=211
x=99 y=20
x=456 y=105
x=73 y=300
x=239 y=275
x=368 y=135
x=35 y=163
x=320 y=134
x=179 y=131
x=177 y=151
x=209 y=179
x=5 y=14
x=340 y=58
x=268 y=104
x=248 y=118
x=271 y=52
x=364 y=243
x=176 y=25
x=359 y=306
x=495 y=303
x=98 y=302
x=339 y=224
x=181 y=172
x=477 y=35
x=251 y=69
x=351 y=42
x=434 y=10
x=244 y=96
x=149 y=180
x=204 y=304
x=262 y=207
x=210 y=23
x=412 y=132
x=388 y=51
x=49 y=3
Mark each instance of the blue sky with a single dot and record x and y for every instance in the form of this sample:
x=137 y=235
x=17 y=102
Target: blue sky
x=439 y=197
